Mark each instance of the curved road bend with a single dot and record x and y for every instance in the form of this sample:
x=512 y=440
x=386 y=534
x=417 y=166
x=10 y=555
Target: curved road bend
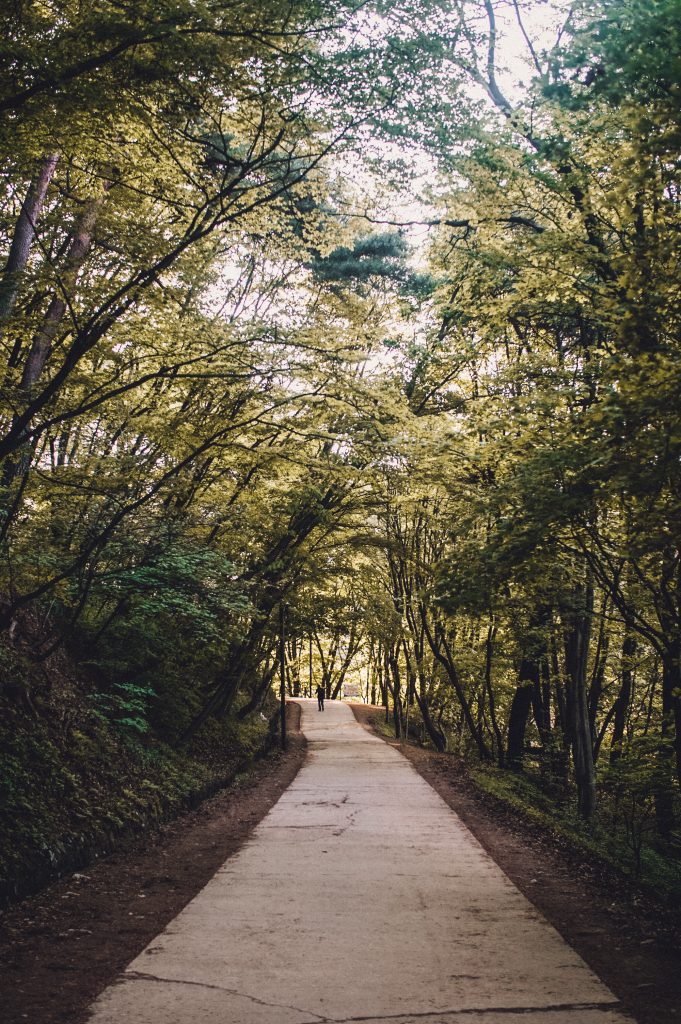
x=360 y=897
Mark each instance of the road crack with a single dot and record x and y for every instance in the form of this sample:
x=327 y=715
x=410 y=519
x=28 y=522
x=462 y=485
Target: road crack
x=435 y=1015
x=143 y=976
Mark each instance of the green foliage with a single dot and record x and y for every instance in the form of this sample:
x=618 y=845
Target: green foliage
x=195 y=589
x=625 y=52
x=127 y=706
x=374 y=256
x=156 y=633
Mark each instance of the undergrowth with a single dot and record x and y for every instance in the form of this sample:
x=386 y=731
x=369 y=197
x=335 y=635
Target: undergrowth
x=75 y=781
x=654 y=869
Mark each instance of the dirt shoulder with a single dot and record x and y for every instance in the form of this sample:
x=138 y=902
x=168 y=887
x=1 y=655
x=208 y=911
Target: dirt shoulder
x=629 y=939
x=61 y=948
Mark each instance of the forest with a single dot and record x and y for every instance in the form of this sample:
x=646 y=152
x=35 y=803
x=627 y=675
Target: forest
x=366 y=310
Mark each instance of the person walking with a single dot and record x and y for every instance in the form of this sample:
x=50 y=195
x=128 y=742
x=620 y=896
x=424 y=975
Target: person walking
x=320 y=697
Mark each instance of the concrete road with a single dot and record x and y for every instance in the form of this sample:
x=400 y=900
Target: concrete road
x=360 y=897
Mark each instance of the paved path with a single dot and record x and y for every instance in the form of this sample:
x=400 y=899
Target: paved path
x=360 y=897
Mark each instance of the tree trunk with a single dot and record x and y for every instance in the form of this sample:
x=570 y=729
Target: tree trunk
x=598 y=674
x=259 y=693
x=528 y=693
x=670 y=738
x=442 y=653
x=673 y=684
x=541 y=706
x=489 y=652
x=625 y=693
x=395 y=688
x=382 y=685
x=24 y=233
x=437 y=737
x=577 y=636
x=78 y=250
x=670 y=745
x=352 y=648
x=19 y=464
x=520 y=710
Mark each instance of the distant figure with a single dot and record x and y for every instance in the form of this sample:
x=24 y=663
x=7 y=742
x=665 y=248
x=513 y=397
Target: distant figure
x=320 y=697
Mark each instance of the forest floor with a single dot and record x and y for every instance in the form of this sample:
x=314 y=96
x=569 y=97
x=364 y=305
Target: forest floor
x=61 y=948
x=628 y=938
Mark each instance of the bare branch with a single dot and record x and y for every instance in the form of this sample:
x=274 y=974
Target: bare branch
x=530 y=45
x=514 y=220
